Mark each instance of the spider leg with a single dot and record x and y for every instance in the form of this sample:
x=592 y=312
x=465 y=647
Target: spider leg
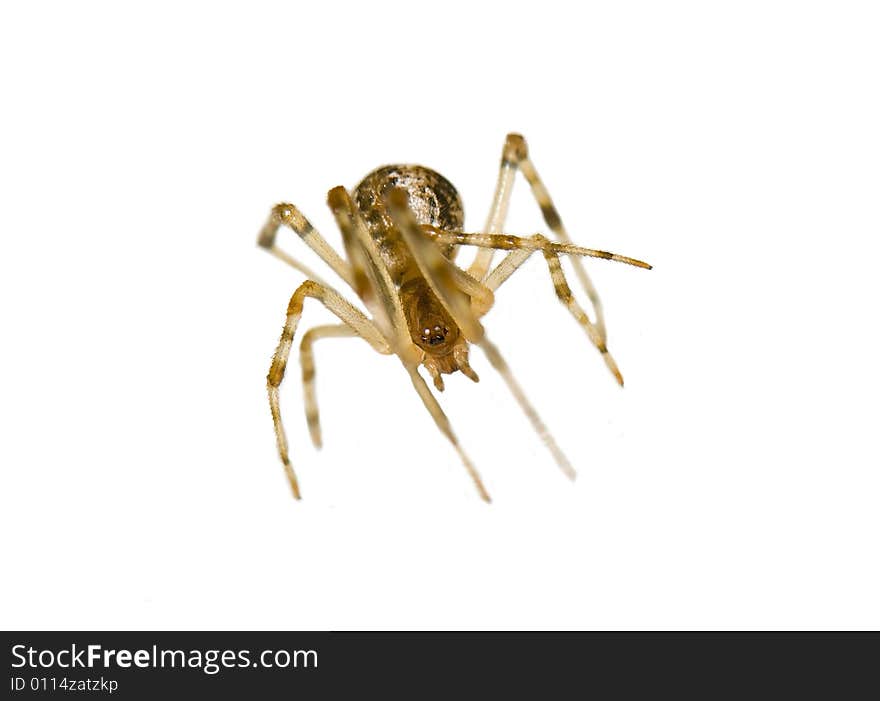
x=515 y=155
x=508 y=242
x=351 y=316
x=372 y=278
x=521 y=248
x=307 y=361
x=285 y=214
x=442 y=421
x=563 y=292
x=513 y=260
x=500 y=365
x=481 y=297
x=497 y=213
x=437 y=271
x=507 y=267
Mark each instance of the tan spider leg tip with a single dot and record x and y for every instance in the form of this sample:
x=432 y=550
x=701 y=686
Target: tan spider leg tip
x=315 y=434
x=475 y=476
x=568 y=470
x=559 y=457
x=484 y=495
x=609 y=361
x=291 y=478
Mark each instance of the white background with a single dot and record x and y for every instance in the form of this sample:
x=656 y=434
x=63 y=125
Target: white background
x=732 y=484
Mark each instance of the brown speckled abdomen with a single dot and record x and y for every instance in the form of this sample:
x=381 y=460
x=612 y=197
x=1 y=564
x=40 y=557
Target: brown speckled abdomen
x=432 y=198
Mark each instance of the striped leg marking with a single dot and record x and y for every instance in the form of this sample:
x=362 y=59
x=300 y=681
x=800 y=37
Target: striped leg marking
x=349 y=315
x=286 y=214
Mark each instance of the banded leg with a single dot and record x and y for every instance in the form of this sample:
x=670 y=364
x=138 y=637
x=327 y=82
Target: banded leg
x=373 y=283
x=307 y=362
x=497 y=213
x=513 y=260
x=521 y=249
x=348 y=314
x=515 y=155
x=288 y=215
x=508 y=242
x=563 y=292
x=436 y=270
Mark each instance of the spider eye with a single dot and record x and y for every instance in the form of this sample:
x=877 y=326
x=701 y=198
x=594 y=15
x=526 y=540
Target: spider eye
x=434 y=336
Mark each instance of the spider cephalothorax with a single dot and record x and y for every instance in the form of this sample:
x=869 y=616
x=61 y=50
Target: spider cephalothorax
x=434 y=331
x=402 y=228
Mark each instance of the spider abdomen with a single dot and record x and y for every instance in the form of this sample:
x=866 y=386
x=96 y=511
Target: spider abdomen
x=434 y=202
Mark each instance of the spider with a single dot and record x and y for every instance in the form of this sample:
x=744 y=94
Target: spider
x=402 y=227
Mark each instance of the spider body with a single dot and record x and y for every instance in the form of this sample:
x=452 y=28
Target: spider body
x=402 y=227
x=436 y=204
